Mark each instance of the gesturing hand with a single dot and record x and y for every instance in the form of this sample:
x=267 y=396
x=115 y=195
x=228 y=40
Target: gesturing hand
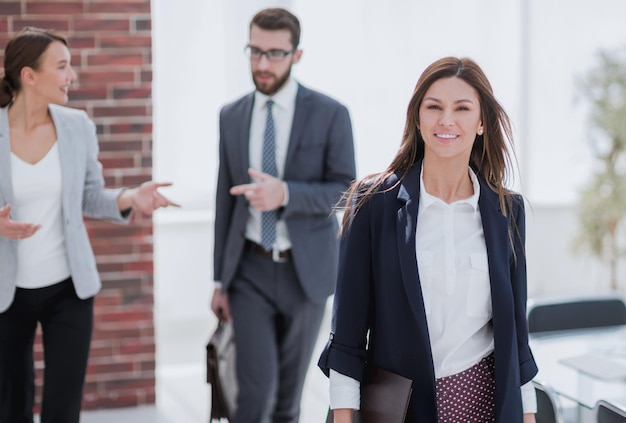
x=12 y=229
x=147 y=199
x=266 y=194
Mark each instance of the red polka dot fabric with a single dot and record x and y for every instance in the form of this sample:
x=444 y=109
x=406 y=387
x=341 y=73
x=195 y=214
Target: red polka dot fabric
x=467 y=397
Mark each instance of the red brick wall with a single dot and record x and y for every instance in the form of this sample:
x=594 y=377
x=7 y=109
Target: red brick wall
x=110 y=42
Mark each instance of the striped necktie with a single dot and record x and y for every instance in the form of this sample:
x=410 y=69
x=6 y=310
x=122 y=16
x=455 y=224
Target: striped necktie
x=269 y=218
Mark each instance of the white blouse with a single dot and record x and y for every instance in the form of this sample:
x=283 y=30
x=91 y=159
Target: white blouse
x=454 y=275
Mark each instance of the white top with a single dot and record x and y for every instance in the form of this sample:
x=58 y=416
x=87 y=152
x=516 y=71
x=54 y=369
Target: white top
x=42 y=258
x=282 y=112
x=454 y=275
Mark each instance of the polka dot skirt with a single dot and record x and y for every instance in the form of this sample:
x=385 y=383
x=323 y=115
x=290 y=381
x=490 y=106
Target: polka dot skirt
x=467 y=396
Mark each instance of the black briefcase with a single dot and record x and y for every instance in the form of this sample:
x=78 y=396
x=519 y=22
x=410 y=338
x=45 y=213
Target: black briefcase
x=220 y=363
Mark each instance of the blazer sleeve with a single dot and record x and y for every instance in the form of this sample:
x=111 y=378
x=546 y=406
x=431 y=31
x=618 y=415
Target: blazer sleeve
x=98 y=202
x=345 y=351
x=528 y=367
x=319 y=197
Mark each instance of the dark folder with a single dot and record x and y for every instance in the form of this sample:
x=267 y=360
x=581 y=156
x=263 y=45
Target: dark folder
x=384 y=398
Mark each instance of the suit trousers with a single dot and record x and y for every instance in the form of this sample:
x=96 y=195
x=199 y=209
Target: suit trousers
x=276 y=328
x=66 y=325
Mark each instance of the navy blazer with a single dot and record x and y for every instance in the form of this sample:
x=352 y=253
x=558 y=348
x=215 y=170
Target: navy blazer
x=378 y=291
x=319 y=166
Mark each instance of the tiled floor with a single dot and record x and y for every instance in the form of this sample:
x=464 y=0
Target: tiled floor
x=182 y=394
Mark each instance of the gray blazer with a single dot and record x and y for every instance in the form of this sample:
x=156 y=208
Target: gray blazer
x=83 y=193
x=319 y=166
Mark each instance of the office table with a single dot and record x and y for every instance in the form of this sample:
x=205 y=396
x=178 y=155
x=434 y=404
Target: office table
x=583 y=365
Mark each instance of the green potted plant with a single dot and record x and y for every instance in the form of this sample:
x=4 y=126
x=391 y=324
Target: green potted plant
x=602 y=206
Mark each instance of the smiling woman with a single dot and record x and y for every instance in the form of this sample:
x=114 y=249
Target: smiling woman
x=50 y=177
x=432 y=276
x=54 y=76
x=449 y=122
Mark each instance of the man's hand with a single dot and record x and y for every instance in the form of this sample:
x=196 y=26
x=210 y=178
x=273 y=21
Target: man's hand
x=219 y=305
x=265 y=194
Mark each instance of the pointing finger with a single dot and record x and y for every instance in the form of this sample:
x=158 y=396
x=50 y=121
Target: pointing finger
x=162 y=184
x=241 y=189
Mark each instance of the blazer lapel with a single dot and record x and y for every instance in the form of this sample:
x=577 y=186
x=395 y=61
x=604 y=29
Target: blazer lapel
x=495 y=229
x=243 y=141
x=67 y=154
x=6 y=188
x=303 y=106
x=405 y=235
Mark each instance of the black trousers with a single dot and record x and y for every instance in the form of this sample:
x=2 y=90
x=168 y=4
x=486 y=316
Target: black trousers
x=66 y=323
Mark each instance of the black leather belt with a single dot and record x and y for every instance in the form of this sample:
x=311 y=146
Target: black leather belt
x=277 y=256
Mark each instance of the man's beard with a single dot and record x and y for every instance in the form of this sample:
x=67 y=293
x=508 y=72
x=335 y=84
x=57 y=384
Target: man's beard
x=273 y=88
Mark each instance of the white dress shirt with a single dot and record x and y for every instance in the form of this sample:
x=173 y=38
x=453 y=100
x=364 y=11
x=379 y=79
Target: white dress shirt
x=454 y=276
x=282 y=112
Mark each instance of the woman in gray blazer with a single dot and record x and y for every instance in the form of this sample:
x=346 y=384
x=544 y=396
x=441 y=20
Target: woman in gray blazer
x=49 y=178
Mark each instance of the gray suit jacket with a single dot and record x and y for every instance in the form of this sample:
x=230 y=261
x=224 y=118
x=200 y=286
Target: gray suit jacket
x=83 y=193
x=319 y=166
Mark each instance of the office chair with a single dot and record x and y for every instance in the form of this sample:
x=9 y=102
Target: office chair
x=606 y=412
x=566 y=313
x=548 y=405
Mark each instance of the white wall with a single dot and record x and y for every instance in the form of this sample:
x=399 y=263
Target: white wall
x=369 y=54
x=553 y=268
x=564 y=38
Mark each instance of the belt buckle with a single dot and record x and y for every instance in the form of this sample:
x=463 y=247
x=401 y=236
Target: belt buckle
x=276 y=256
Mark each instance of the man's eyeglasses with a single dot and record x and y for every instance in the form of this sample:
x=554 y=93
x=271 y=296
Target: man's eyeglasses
x=272 y=55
